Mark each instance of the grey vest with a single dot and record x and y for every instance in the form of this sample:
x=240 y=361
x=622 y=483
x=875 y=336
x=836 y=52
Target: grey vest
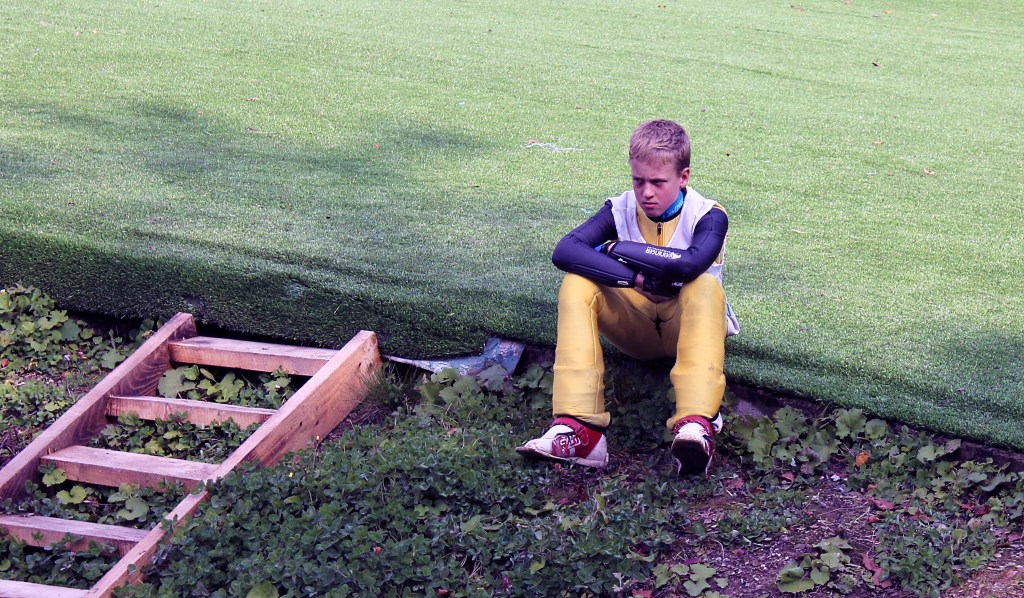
x=624 y=209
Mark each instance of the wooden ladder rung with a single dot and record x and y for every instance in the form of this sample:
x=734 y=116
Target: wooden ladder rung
x=22 y=589
x=248 y=355
x=113 y=468
x=36 y=530
x=200 y=413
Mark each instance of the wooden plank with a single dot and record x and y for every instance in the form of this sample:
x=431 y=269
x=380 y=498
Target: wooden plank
x=23 y=589
x=36 y=530
x=200 y=413
x=113 y=468
x=314 y=410
x=137 y=375
x=248 y=355
x=129 y=568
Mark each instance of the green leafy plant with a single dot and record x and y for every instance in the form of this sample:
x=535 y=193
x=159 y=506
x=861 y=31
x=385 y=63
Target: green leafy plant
x=35 y=335
x=63 y=498
x=695 y=579
x=56 y=565
x=47 y=359
x=828 y=566
x=222 y=385
x=425 y=504
x=173 y=437
x=767 y=514
x=789 y=441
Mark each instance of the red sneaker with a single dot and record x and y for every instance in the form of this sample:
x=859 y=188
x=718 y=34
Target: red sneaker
x=693 y=445
x=569 y=441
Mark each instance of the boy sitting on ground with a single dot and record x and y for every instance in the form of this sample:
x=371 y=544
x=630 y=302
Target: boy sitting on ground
x=653 y=289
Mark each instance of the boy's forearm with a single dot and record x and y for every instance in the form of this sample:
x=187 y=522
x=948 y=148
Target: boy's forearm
x=676 y=265
x=575 y=253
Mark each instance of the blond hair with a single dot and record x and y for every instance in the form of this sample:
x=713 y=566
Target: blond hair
x=660 y=140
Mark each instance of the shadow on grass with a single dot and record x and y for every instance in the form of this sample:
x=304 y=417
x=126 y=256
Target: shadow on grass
x=21 y=167
x=261 y=287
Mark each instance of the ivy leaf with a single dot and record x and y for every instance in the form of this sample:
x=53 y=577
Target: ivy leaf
x=696 y=588
x=135 y=509
x=264 y=589
x=536 y=566
x=850 y=423
x=229 y=388
x=790 y=422
x=662 y=576
x=70 y=331
x=111 y=358
x=275 y=384
x=931 y=452
x=794 y=586
x=54 y=477
x=74 y=497
x=761 y=442
x=153 y=447
x=876 y=429
x=471 y=525
x=173 y=383
x=701 y=572
x=820 y=575
x=493 y=378
x=743 y=427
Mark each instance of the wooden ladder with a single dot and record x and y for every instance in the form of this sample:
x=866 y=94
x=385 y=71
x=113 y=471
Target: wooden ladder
x=337 y=384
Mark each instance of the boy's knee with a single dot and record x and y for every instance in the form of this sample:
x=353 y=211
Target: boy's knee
x=575 y=287
x=704 y=287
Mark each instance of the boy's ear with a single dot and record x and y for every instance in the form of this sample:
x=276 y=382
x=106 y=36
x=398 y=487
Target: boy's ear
x=684 y=177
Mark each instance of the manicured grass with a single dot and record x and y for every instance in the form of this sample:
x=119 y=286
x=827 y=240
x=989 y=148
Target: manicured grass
x=309 y=170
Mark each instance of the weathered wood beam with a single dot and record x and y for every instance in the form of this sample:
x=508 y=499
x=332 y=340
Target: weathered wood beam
x=113 y=468
x=248 y=355
x=23 y=589
x=36 y=530
x=200 y=413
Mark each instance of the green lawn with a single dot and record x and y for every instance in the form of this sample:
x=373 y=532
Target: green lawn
x=306 y=170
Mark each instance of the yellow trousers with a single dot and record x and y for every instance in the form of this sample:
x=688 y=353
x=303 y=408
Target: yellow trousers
x=690 y=327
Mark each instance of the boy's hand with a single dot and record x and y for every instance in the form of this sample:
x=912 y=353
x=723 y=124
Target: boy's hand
x=656 y=285
x=651 y=295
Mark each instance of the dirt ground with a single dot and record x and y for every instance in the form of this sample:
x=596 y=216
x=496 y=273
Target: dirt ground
x=752 y=571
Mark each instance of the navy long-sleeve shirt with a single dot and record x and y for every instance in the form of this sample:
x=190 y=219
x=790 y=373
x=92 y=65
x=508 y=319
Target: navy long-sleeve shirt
x=575 y=252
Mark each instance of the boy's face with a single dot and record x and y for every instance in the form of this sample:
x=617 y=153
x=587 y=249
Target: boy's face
x=657 y=184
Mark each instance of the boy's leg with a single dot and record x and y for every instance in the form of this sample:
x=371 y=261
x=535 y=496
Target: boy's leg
x=698 y=376
x=585 y=310
x=627 y=319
